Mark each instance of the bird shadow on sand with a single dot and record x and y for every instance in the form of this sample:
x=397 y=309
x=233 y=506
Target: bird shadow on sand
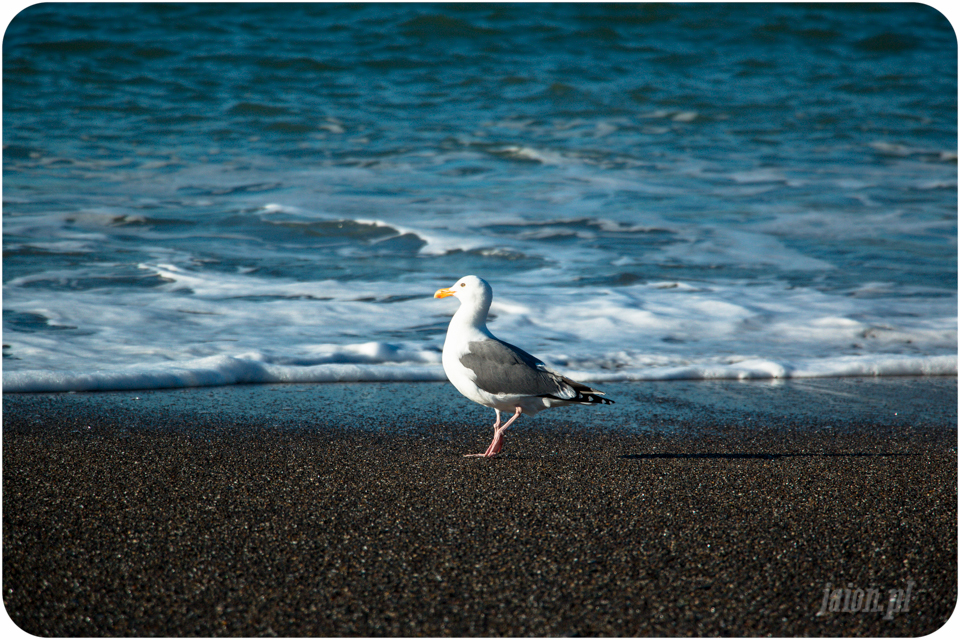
x=754 y=456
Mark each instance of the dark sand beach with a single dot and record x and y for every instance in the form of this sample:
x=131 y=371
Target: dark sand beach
x=702 y=508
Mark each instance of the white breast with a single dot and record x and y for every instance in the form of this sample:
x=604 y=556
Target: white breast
x=464 y=380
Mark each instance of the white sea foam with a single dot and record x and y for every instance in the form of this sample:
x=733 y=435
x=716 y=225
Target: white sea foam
x=206 y=328
x=209 y=372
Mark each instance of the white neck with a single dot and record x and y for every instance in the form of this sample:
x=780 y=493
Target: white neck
x=471 y=319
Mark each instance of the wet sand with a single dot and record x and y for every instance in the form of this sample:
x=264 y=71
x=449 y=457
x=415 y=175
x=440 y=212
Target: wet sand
x=349 y=510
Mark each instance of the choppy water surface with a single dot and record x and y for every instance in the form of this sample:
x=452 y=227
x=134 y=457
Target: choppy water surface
x=210 y=194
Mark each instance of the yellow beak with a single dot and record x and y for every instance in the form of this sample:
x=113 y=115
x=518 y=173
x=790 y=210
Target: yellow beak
x=443 y=293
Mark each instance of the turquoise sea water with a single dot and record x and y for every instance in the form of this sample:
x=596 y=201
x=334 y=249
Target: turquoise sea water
x=207 y=194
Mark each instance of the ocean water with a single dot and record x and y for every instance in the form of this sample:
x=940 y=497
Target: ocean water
x=215 y=194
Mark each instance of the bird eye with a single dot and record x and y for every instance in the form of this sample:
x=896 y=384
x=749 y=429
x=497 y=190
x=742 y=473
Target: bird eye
x=463 y=284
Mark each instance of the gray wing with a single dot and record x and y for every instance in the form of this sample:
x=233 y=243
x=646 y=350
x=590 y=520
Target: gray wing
x=503 y=368
x=500 y=367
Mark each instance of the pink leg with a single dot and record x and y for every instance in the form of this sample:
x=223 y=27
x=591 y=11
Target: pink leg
x=497 y=443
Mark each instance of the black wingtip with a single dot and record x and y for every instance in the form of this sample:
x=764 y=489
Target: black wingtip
x=591 y=398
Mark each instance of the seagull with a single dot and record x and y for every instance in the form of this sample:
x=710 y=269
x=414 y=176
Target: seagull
x=496 y=374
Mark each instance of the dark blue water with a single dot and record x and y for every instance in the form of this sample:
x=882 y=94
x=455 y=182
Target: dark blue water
x=795 y=147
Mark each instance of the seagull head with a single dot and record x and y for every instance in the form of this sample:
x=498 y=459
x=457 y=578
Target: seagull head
x=472 y=291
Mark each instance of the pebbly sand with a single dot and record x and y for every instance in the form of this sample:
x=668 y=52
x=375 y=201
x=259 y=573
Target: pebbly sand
x=702 y=508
